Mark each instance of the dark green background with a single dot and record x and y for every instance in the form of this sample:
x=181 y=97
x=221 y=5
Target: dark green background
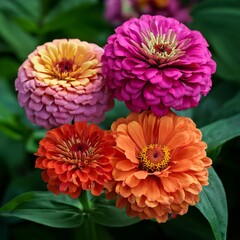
x=25 y=24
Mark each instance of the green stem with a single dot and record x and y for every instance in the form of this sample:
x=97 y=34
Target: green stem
x=87 y=230
x=85 y=201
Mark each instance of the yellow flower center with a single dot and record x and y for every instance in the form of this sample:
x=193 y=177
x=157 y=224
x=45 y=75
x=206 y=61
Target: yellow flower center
x=68 y=64
x=154 y=157
x=162 y=47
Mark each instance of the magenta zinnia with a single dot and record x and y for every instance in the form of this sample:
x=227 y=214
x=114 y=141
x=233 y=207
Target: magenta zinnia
x=157 y=63
x=61 y=81
x=161 y=165
x=75 y=158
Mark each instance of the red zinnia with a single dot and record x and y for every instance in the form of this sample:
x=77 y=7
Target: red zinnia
x=75 y=158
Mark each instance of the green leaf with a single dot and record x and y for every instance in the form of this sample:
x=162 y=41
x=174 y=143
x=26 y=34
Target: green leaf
x=205 y=112
x=219 y=132
x=8 y=67
x=33 y=140
x=229 y=108
x=25 y=13
x=107 y=214
x=10 y=111
x=45 y=208
x=213 y=205
x=217 y=22
x=66 y=13
x=27 y=8
x=20 y=41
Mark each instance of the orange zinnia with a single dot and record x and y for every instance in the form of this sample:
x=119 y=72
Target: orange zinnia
x=161 y=167
x=75 y=158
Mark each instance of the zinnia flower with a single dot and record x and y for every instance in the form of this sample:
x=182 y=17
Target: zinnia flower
x=75 y=158
x=162 y=166
x=118 y=11
x=61 y=81
x=158 y=63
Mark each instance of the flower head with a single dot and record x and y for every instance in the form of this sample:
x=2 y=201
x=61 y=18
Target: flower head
x=158 y=63
x=161 y=167
x=61 y=81
x=118 y=11
x=75 y=158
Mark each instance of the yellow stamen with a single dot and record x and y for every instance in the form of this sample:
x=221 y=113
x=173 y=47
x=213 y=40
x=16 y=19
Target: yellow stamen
x=154 y=157
x=162 y=47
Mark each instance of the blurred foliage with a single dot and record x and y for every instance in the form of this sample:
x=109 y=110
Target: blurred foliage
x=26 y=24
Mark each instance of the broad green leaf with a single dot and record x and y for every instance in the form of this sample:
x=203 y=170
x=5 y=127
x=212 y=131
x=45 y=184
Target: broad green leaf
x=192 y=225
x=25 y=183
x=20 y=41
x=27 y=8
x=219 y=132
x=33 y=140
x=213 y=205
x=12 y=155
x=107 y=214
x=8 y=68
x=10 y=111
x=217 y=22
x=25 y=13
x=45 y=208
x=221 y=92
x=13 y=120
x=90 y=25
x=229 y=108
x=66 y=13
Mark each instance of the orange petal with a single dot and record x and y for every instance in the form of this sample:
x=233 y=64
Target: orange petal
x=136 y=133
x=170 y=184
x=153 y=193
x=121 y=175
x=140 y=189
x=125 y=143
x=177 y=140
x=185 y=179
x=181 y=165
x=125 y=165
x=149 y=127
x=165 y=129
x=132 y=181
x=124 y=191
x=141 y=174
x=190 y=152
x=121 y=202
x=96 y=188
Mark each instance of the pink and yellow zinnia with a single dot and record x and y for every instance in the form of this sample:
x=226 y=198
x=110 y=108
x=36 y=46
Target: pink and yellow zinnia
x=61 y=82
x=161 y=166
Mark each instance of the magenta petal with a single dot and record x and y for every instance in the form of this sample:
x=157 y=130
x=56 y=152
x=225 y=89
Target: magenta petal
x=172 y=73
x=140 y=63
x=150 y=73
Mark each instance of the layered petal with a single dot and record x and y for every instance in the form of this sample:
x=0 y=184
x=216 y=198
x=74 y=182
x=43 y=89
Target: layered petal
x=157 y=63
x=165 y=176
x=75 y=158
x=61 y=81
